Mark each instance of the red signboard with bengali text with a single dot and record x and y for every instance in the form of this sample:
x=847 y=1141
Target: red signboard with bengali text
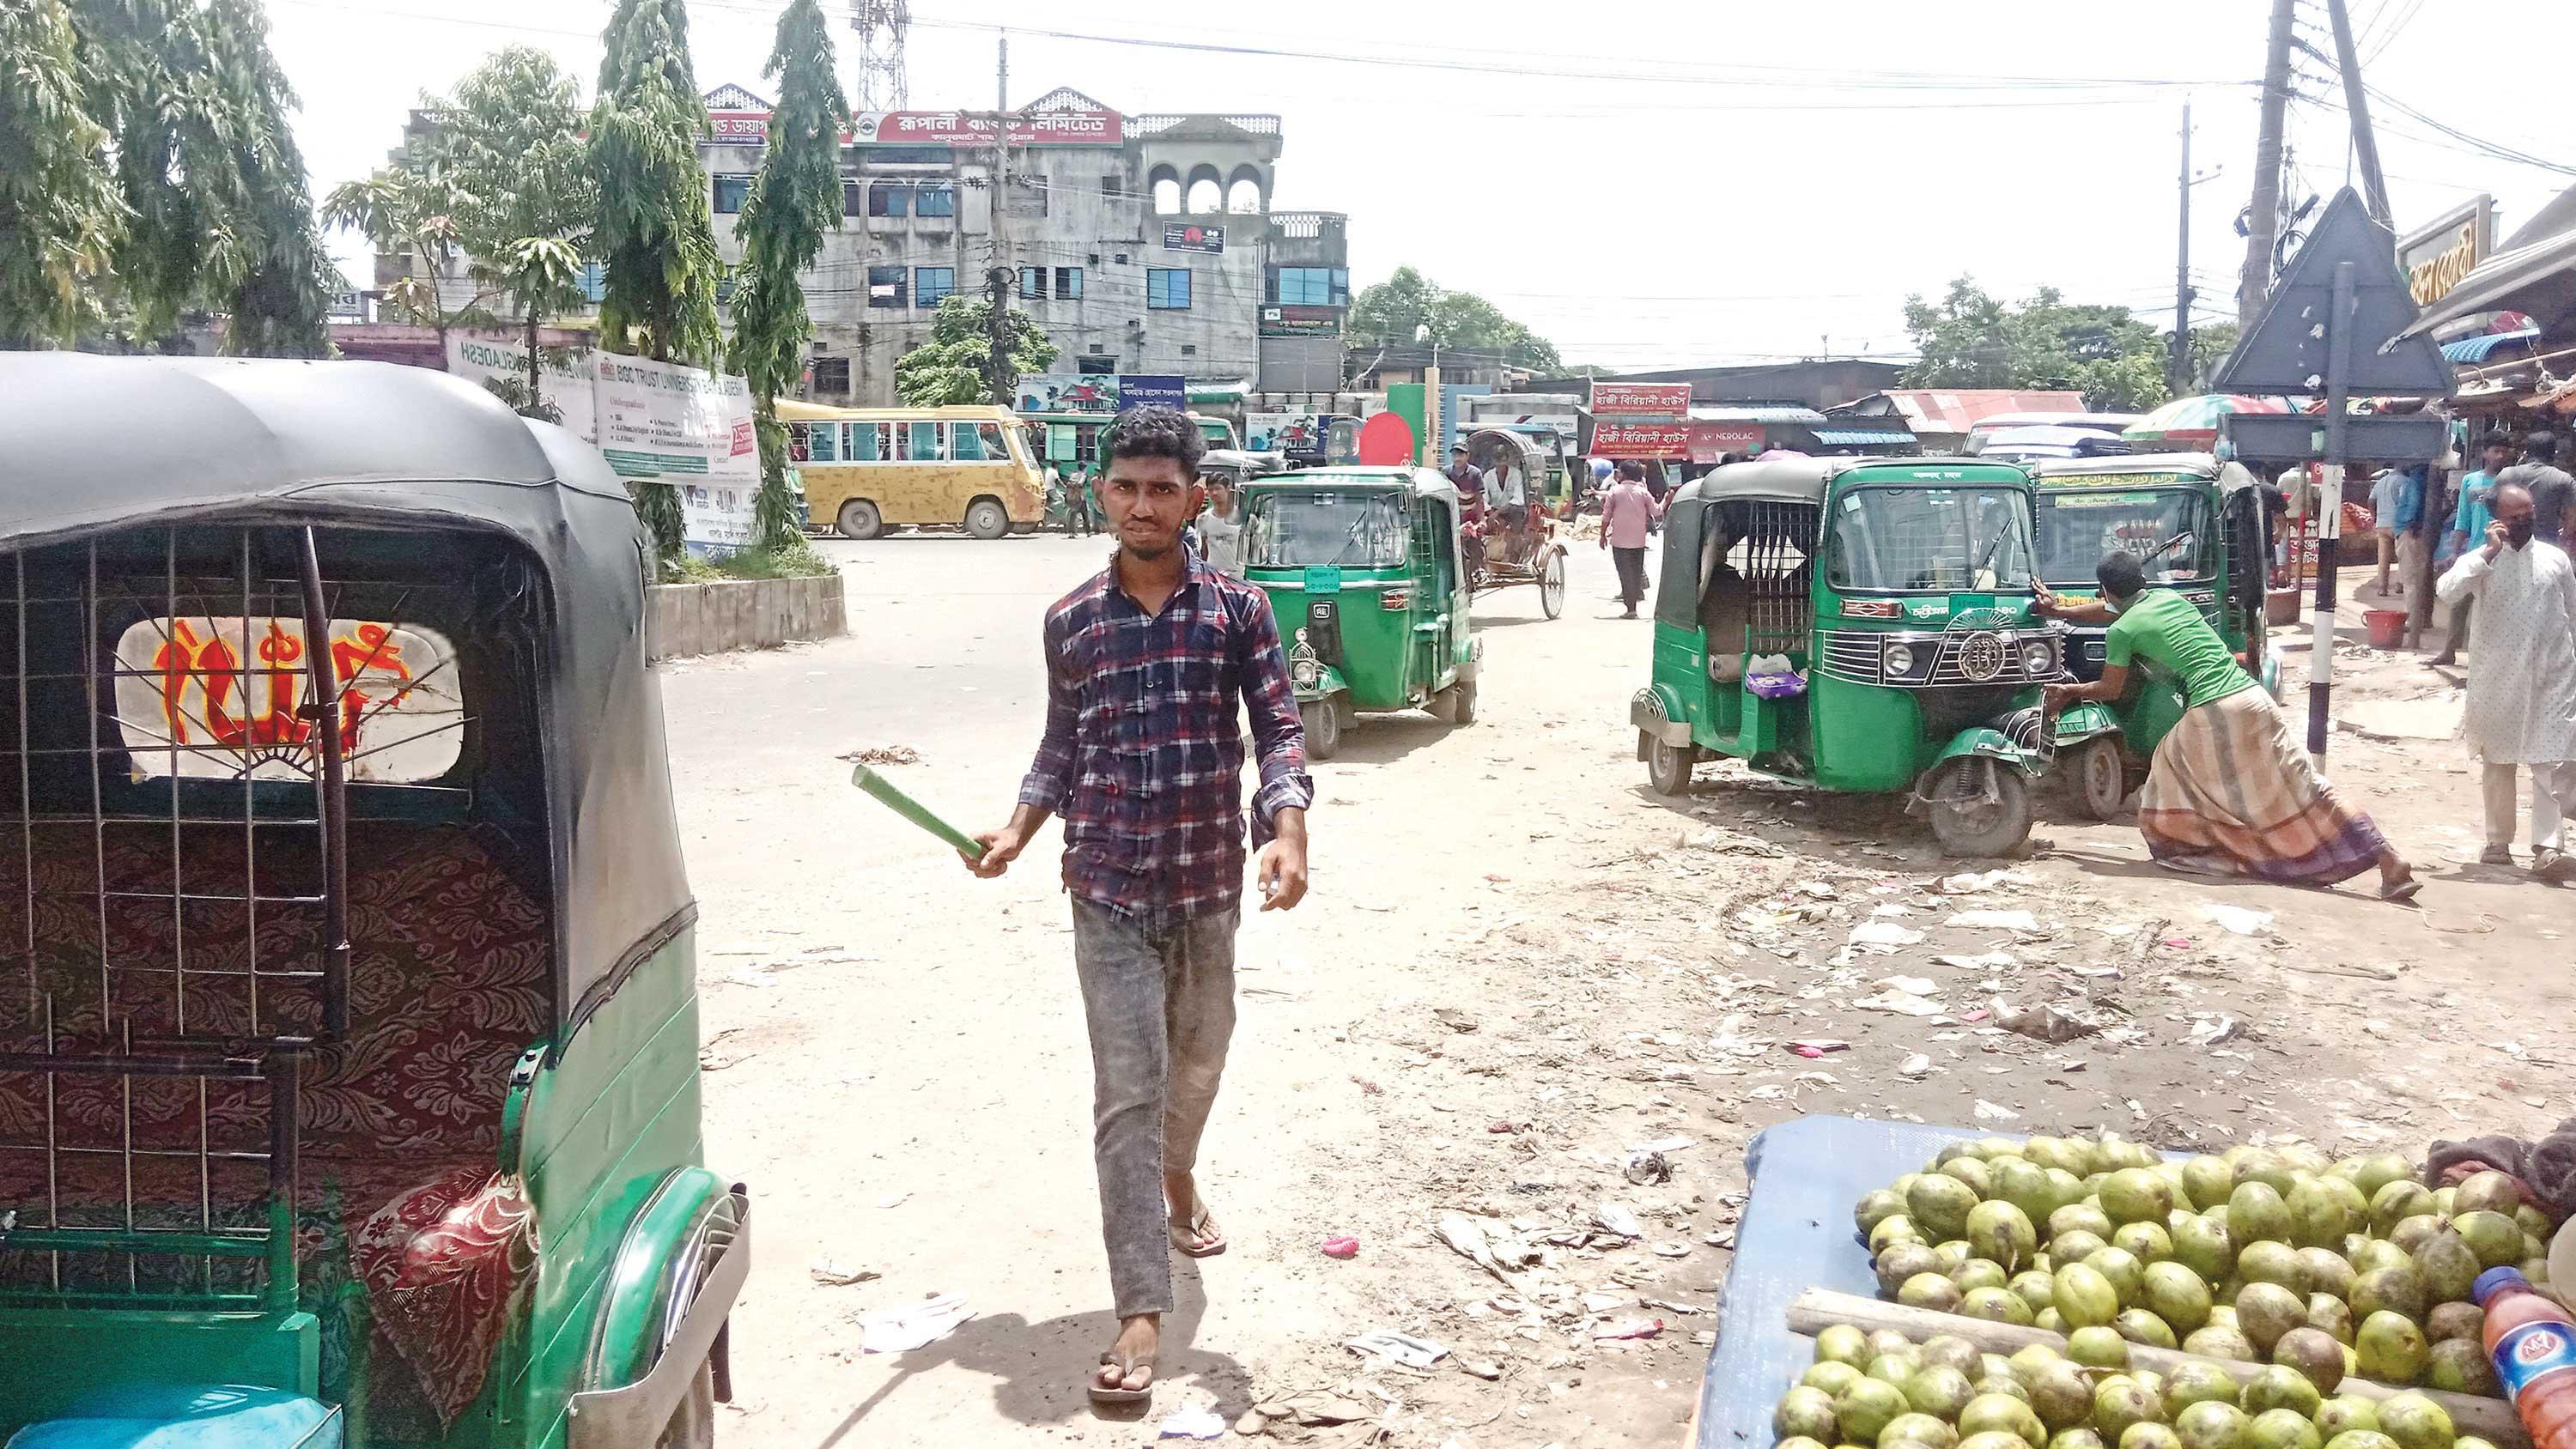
x=1641 y=400
x=1641 y=440
x=1710 y=442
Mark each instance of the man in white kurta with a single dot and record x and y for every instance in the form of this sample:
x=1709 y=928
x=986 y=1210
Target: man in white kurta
x=2522 y=679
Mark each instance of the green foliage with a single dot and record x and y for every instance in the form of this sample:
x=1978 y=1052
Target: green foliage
x=795 y=199
x=1395 y=312
x=954 y=366
x=797 y=558
x=1971 y=339
x=656 y=233
x=58 y=202
x=218 y=211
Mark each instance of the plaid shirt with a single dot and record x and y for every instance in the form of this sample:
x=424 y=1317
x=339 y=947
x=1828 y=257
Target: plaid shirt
x=1142 y=757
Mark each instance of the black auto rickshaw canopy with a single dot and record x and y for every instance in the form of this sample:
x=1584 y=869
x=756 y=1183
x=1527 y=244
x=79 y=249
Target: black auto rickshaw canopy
x=94 y=445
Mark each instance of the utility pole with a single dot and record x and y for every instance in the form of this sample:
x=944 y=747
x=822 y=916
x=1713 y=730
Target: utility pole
x=1002 y=82
x=999 y=273
x=2178 y=364
x=2356 y=102
x=2263 y=222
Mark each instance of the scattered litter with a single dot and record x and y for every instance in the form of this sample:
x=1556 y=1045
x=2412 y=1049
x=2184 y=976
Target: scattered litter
x=1316 y=1408
x=1917 y=1065
x=1483 y=1368
x=1454 y=1019
x=1468 y=1240
x=883 y=755
x=1884 y=937
x=1971 y=882
x=2209 y=1031
x=1631 y=1328
x=1990 y=961
x=1819 y=1046
x=1196 y=1423
x=1403 y=1348
x=1900 y=1002
x=893 y=1199
x=1251 y=1424
x=1342 y=1247
x=1721 y=1238
x=1989 y=1112
x=715 y=1057
x=840 y=1275
x=1618 y=1221
x=1814 y=890
x=1646 y=1169
x=2239 y=920
x=917 y=1325
x=2043 y=1022
x=1994 y=921
x=1365 y=1085
x=1606 y=1302
x=1910 y=985
x=1672 y=1250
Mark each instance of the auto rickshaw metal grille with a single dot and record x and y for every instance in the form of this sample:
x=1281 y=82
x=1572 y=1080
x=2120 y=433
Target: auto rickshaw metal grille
x=173 y=908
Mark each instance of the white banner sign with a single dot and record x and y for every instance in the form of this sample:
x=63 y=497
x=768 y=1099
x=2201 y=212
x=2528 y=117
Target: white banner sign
x=563 y=374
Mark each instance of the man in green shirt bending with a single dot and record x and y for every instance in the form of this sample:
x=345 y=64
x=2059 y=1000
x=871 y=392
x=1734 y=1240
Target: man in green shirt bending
x=2231 y=790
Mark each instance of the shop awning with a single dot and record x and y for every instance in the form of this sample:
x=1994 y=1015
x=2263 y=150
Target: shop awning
x=2469 y=351
x=2539 y=279
x=1862 y=438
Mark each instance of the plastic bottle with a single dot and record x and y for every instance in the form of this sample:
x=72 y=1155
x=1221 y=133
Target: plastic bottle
x=2533 y=1344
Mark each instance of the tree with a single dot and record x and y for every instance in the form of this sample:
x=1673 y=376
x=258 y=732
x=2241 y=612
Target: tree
x=955 y=365
x=795 y=198
x=656 y=234
x=411 y=211
x=1971 y=339
x=277 y=281
x=58 y=202
x=1409 y=307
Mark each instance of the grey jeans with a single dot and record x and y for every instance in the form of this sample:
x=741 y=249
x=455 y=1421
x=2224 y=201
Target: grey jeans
x=1159 y=997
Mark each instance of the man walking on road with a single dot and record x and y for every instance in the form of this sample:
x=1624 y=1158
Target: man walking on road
x=1143 y=758
x=1626 y=511
x=2522 y=682
x=2469 y=530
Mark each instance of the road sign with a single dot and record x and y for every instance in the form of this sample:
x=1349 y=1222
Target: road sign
x=2288 y=350
x=2301 y=438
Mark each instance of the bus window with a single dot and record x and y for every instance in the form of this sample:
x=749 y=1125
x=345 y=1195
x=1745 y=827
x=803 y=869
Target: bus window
x=825 y=445
x=977 y=443
x=996 y=447
x=871 y=443
x=921 y=443
x=798 y=449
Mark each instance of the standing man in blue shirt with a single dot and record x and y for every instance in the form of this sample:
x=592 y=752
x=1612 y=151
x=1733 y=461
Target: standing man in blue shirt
x=2468 y=527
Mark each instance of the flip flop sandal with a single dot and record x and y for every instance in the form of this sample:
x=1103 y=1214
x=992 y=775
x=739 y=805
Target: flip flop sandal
x=1103 y=1394
x=1184 y=1239
x=2405 y=890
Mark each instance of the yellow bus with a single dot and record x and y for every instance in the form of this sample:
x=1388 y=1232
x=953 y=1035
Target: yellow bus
x=870 y=469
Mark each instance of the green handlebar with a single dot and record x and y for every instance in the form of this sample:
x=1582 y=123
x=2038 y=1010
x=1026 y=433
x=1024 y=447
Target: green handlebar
x=913 y=810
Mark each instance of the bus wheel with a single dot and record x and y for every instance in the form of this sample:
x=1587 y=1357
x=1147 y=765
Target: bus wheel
x=987 y=519
x=859 y=519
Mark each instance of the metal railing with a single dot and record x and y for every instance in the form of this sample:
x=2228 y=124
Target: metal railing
x=1259 y=125
x=1306 y=225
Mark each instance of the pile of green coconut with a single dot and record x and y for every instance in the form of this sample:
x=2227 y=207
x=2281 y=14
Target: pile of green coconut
x=2261 y=1254
x=1882 y=1389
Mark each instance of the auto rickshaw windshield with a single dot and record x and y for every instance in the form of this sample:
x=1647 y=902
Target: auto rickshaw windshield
x=2078 y=527
x=1308 y=528
x=1927 y=540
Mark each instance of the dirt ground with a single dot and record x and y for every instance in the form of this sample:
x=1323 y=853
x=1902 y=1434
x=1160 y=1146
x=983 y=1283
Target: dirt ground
x=1517 y=968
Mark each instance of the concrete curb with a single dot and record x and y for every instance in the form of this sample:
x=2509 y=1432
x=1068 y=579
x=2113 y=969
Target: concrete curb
x=684 y=620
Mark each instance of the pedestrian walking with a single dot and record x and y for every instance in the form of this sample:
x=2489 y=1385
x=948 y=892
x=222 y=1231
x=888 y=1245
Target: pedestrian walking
x=2231 y=791
x=1626 y=511
x=2396 y=498
x=2469 y=530
x=2522 y=682
x=1142 y=758
x=2553 y=491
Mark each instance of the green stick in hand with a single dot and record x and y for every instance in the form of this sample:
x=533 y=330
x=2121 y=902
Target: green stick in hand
x=914 y=811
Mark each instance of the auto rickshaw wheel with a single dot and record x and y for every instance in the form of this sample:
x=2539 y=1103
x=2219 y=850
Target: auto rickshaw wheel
x=987 y=519
x=1323 y=722
x=1969 y=823
x=693 y=1423
x=1551 y=584
x=860 y=519
x=1668 y=767
x=1457 y=704
x=2101 y=778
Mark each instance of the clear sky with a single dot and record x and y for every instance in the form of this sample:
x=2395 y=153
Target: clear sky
x=1659 y=182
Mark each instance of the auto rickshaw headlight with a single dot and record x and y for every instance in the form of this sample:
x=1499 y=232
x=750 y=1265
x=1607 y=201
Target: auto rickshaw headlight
x=2039 y=657
x=1306 y=674
x=1900 y=660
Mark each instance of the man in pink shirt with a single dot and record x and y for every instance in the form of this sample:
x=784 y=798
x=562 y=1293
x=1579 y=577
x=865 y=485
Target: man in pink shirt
x=1627 y=515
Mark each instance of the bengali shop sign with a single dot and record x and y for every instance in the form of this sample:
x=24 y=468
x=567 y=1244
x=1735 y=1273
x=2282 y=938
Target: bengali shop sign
x=977 y=128
x=1641 y=400
x=1641 y=440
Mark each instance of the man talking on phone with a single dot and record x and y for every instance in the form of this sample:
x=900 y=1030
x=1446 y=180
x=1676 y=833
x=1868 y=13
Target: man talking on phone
x=1143 y=759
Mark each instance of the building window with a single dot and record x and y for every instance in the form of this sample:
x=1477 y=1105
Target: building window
x=932 y=284
x=1096 y=364
x=594 y=281
x=1122 y=259
x=832 y=375
x=1033 y=283
x=935 y=201
x=1167 y=289
x=732 y=190
x=1311 y=286
x=1189 y=349
x=1068 y=284
x=726 y=285
x=854 y=199
x=1112 y=185
x=890 y=198
x=885 y=286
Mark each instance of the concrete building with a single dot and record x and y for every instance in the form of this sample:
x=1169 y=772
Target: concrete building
x=1141 y=244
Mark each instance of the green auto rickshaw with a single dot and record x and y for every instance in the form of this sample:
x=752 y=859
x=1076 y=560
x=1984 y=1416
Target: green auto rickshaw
x=349 y=1085
x=2198 y=524
x=1854 y=624
x=1363 y=568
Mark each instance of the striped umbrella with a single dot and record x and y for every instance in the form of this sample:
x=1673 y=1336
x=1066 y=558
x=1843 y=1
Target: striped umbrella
x=2194 y=420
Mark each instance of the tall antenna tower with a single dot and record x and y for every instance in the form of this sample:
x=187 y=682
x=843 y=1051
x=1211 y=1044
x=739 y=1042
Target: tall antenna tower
x=881 y=25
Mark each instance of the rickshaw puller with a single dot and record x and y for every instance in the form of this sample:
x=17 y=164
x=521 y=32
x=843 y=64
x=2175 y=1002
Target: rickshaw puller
x=1142 y=758
x=2231 y=791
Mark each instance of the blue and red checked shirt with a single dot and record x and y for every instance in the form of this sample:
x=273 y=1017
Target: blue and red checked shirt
x=1142 y=756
